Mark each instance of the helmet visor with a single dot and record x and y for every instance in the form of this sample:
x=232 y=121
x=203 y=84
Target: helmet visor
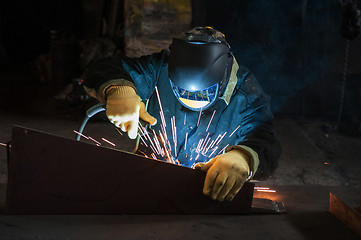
x=196 y=100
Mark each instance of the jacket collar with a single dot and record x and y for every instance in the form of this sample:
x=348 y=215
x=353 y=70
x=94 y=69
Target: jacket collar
x=231 y=83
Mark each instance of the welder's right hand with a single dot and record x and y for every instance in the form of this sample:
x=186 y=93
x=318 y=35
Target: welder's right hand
x=124 y=108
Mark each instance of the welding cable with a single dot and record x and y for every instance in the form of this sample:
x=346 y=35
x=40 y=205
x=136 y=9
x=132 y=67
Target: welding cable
x=99 y=107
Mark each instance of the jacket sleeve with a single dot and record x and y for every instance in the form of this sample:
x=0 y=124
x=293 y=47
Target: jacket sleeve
x=258 y=122
x=134 y=72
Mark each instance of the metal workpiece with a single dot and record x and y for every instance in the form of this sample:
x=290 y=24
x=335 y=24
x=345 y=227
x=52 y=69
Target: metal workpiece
x=267 y=206
x=347 y=208
x=49 y=174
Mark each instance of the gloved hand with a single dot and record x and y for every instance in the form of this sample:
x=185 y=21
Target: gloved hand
x=124 y=108
x=226 y=175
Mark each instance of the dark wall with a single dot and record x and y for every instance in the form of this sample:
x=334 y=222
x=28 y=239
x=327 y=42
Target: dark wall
x=293 y=47
x=25 y=26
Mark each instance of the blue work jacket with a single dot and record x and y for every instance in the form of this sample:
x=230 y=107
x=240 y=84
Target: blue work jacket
x=246 y=120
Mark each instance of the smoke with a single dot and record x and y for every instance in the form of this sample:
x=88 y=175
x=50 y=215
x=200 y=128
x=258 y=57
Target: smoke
x=294 y=48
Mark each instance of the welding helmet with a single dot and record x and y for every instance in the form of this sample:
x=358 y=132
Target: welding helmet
x=199 y=67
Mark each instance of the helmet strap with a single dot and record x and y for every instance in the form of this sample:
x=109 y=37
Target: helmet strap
x=227 y=75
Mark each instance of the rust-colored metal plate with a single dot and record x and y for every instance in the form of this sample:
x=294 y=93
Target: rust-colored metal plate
x=54 y=175
x=348 y=212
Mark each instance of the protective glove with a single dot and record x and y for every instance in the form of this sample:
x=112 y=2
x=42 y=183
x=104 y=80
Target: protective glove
x=226 y=175
x=124 y=108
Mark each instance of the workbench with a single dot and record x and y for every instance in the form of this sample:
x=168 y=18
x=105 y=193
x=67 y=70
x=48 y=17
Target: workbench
x=307 y=217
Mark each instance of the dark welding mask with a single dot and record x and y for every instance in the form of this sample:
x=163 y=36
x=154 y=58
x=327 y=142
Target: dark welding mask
x=199 y=71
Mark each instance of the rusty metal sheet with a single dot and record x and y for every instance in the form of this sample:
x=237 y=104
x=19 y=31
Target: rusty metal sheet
x=54 y=175
x=347 y=212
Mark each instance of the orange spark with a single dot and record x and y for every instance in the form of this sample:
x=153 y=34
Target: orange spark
x=234 y=131
x=80 y=134
x=210 y=120
x=105 y=140
x=119 y=131
x=98 y=143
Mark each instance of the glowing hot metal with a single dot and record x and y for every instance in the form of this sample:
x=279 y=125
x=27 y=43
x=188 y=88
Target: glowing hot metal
x=266 y=190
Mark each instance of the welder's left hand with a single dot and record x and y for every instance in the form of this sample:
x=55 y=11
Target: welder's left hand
x=226 y=175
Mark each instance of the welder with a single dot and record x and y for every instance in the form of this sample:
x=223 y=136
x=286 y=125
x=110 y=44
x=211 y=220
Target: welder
x=207 y=93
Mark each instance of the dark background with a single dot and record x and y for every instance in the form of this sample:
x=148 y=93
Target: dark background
x=294 y=48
